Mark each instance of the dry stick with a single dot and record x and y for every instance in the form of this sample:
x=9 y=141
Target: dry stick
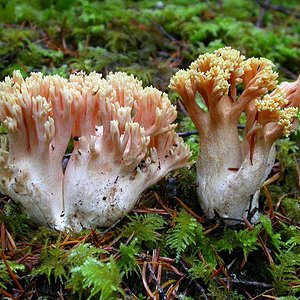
x=262 y=13
x=248 y=282
x=172 y=288
x=159 y=273
x=68 y=243
x=168 y=36
x=270 y=202
x=168 y=210
x=222 y=269
x=61 y=294
x=260 y=240
x=164 y=285
x=280 y=199
x=262 y=294
x=145 y=281
x=172 y=268
x=3 y=240
x=210 y=229
x=282 y=9
x=289 y=73
x=151 y=211
x=158 y=286
x=268 y=255
x=129 y=291
x=6 y=294
x=187 y=133
x=154 y=260
x=110 y=228
x=200 y=219
x=272 y=179
x=247 y=294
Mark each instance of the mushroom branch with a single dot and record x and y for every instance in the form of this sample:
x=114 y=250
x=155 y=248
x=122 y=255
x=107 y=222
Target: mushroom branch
x=123 y=142
x=126 y=143
x=216 y=90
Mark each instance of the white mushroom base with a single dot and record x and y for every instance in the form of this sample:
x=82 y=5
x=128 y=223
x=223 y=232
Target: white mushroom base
x=229 y=182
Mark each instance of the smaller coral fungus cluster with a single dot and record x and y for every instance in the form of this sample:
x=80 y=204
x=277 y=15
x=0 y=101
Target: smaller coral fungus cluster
x=230 y=170
x=123 y=142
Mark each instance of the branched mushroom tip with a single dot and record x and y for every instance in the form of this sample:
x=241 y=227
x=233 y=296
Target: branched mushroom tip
x=123 y=141
x=230 y=171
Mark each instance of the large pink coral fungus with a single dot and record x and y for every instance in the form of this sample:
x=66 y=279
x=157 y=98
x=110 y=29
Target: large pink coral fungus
x=231 y=168
x=123 y=143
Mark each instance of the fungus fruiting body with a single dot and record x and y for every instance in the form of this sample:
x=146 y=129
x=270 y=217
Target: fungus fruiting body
x=231 y=167
x=126 y=143
x=123 y=142
x=38 y=113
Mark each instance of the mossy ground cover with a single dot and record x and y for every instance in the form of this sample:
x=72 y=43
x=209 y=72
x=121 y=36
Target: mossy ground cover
x=165 y=248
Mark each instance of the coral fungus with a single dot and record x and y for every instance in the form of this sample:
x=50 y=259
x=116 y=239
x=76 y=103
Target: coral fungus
x=123 y=143
x=231 y=168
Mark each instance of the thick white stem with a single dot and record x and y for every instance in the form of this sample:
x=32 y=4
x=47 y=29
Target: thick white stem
x=100 y=191
x=99 y=196
x=227 y=182
x=38 y=189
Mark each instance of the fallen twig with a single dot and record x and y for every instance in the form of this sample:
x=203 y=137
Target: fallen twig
x=289 y=73
x=280 y=8
x=262 y=13
x=6 y=294
x=248 y=282
x=200 y=219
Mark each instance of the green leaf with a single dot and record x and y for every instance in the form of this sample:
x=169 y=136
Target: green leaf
x=227 y=242
x=201 y=271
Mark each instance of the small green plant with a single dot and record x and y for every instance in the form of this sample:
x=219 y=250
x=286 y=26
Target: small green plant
x=128 y=260
x=275 y=237
x=89 y=274
x=186 y=233
x=5 y=279
x=102 y=279
x=53 y=263
x=144 y=228
x=284 y=274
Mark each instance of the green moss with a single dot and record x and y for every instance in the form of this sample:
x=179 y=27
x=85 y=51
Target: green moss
x=152 y=40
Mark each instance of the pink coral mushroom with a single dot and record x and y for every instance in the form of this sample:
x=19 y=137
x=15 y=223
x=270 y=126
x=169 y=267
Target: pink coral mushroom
x=124 y=141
